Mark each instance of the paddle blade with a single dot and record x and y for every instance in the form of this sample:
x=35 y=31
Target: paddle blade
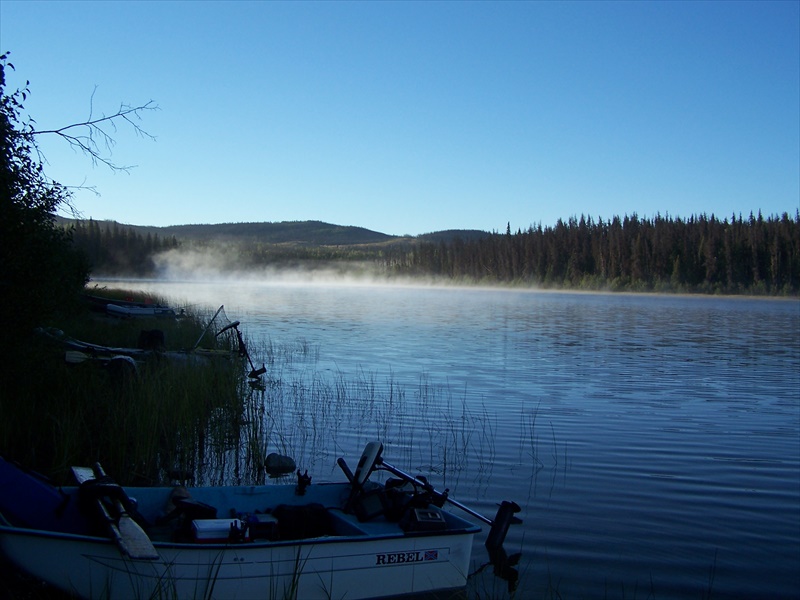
x=134 y=541
x=75 y=357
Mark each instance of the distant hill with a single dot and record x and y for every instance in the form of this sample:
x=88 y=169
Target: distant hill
x=313 y=233
x=449 y=235
x=300 y=233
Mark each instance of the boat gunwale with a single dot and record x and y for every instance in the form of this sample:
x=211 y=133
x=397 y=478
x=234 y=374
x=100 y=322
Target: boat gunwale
x=472 y=529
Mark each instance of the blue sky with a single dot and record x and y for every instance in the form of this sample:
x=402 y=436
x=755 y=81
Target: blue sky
x=411 y=117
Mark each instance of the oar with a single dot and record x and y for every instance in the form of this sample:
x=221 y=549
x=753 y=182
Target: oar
x=126 y=533
x=134 y=541
x=502 y=521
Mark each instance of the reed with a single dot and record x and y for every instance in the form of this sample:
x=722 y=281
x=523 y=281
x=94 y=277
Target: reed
x=316 y=417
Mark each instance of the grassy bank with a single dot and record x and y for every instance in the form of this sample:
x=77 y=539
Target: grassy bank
x=141 y=423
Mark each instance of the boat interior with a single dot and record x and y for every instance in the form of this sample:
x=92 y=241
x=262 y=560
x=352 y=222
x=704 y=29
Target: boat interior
x=270 y=513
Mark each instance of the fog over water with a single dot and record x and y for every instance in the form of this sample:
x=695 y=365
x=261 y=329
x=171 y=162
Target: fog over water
x=224 y=264
x=652 y=441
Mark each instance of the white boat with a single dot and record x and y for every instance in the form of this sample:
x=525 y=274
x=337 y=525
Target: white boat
x=127 y=312
x=353 y=540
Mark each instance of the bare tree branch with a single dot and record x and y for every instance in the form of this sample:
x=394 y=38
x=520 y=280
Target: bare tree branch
x=94 y=136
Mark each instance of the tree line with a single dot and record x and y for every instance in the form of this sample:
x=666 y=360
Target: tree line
x=112 y=249
x=700 y=254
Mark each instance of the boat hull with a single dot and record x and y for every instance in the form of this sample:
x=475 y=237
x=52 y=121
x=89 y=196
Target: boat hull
x=317 y=549
x=116 y=310
x=324 y=568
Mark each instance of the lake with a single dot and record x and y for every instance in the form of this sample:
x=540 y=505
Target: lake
x=653 y=442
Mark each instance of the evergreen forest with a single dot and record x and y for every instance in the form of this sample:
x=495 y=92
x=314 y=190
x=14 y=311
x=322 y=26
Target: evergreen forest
x=699 y=255
x=702 y=254
x=112 y=248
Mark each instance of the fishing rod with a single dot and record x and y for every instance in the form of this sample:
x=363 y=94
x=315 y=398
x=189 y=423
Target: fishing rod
x=197 y=343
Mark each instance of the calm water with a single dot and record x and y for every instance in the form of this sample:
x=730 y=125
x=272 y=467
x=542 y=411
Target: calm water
x=653 y=442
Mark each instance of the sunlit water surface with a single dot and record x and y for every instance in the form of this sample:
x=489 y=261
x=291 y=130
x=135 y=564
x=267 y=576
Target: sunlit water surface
x=653 y=442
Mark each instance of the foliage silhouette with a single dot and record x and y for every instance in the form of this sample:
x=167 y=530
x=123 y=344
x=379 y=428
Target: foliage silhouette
x=40 y=271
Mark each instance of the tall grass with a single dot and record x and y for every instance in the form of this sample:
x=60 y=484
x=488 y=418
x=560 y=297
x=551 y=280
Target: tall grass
x=143 y=426
x=316 y=418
